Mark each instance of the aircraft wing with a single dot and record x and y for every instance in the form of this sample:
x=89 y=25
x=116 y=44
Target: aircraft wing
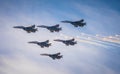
x=59 y=57
x=82 y=24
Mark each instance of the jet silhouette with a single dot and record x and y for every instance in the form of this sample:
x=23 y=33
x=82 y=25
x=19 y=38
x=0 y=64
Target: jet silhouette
x=42 y=44
x=79 y=23
x=53 y=56
x=67 y=42
x=54 y=28
x=28 y=29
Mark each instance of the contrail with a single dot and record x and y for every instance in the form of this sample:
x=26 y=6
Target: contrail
x=95 y=40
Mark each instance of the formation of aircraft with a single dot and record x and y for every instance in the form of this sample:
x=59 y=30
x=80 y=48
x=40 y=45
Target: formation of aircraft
x=28 y=29
x=53 y=56
x=54 y=28
x=79 y=23
x=67 y=42
x=42 y=44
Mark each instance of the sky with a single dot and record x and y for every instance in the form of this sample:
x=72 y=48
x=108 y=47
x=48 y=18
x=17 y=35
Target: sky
x=98 y=43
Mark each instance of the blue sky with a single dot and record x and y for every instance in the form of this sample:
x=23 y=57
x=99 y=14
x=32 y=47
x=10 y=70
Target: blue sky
x=97 y=51
x=98 y=14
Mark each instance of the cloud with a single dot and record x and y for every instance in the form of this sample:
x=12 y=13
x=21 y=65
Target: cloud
x=22 y=64
x=88 y=56
x=98 y=40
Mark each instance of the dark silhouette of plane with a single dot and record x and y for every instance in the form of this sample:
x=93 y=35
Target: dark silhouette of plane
x=79 y=23
x=42 y=44
x=28 y=29
x=67 y=42
x=54 y=28
x=53 y=56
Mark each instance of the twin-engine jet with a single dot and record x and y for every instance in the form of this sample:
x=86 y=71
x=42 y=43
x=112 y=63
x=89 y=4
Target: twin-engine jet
x=54 y=28
x=42 y=44
x=53 y=56
x=28 y=29
x=79 y=23
x=67 y=42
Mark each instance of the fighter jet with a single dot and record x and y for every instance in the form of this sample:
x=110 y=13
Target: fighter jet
x=28 y=29
x=42 y=44
x=53 y=56
x=79 y=23
x=67 y=42
x=54 y=28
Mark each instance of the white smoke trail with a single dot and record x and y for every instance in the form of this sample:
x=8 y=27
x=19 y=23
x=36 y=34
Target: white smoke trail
x=97 y=40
